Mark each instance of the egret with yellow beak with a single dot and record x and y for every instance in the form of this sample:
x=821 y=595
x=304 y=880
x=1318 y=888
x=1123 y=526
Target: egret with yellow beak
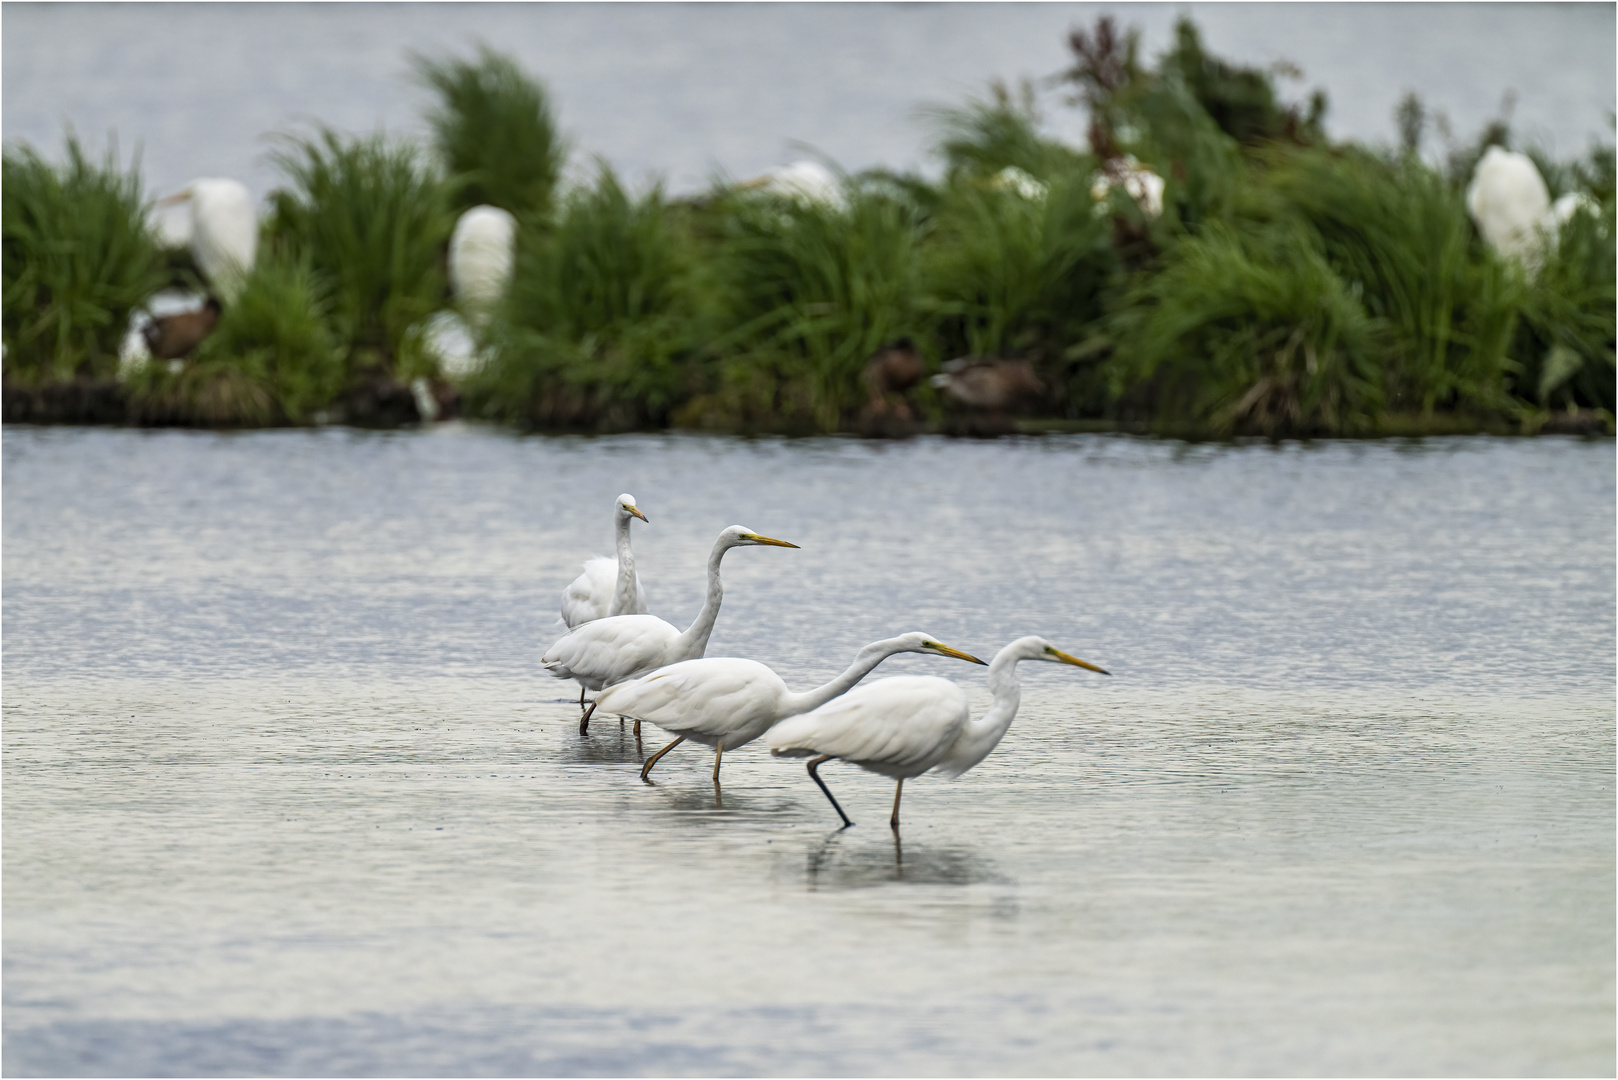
x=613 y=650
x=726 y=702
x=608 y=586
x=904 y=726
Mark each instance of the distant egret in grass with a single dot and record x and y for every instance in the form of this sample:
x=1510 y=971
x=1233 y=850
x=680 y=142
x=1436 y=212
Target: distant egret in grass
x=903 y=726
x=802 y=181
x=1508 y=200
x=607 y=651
x=218 y=224
x=726 y=702
x=608 y=586
x=482 y=250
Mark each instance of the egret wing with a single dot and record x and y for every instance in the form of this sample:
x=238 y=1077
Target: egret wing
x=589 y=595
x=899 y=726
x=705 y=699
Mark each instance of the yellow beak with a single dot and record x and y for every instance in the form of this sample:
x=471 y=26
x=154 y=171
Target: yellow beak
x=958 y=654
x=770 y=541
x=636 y=511
x=1076 y=662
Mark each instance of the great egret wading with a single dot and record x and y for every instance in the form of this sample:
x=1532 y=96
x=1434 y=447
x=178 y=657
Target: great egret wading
x=608 y=585
x=725 y=702
x=607 y=651
x=904 y=726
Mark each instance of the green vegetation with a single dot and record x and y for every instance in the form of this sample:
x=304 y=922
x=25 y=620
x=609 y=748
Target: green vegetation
x=77 y=259
x=494 y=132
x=1209 y=264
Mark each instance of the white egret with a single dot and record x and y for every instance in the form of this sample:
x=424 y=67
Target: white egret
x=482 y=250
x=903 y=726
x=1508 y=200
x=726 y=702
x=607 y=651
x=807 y=182
x=608 y=585
x=220 y=227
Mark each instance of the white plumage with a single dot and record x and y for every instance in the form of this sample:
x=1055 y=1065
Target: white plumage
x=726 y=702
x=1139 y=183
x=609 y=584
x=216 y=219
x=482 y=251
x=1508 y=201
x=905 y=726
x=802 y=181
x=607 y=651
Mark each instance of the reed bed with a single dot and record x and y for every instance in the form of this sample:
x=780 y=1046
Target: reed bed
x=1288 y=285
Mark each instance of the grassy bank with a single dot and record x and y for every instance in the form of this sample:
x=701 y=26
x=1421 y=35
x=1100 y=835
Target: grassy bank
x=1286 y=286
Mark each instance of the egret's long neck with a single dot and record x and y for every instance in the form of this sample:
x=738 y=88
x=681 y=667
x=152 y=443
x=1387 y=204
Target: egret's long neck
x=694 y=642
x=623 y=594
x=982 y=735
x=868 y=658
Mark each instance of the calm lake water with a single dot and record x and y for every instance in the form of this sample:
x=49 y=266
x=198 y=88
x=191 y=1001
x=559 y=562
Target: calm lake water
x=285 y=791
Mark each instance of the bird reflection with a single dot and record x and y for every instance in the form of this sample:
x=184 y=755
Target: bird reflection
x=840 y=862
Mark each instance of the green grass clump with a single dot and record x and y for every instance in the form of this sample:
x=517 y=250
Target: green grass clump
x=1399 y=235
x=277 y=329
x=494 y=130
x=811 y=291
x=1007 y=275
x=217 y=392
x=77 y=259
x=1247 y=331
x=1564 y=343
x=986 y=135
x=371 y=218
x=602 y=322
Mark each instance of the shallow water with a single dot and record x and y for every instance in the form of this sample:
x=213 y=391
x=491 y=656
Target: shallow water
x=285 y=792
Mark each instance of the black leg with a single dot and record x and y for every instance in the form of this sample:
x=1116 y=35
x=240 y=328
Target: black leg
x=893 y=822
x=822 y=759
x=584 y=722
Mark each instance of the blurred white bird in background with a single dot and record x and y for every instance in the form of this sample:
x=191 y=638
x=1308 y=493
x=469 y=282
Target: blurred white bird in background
x=215 y=219
x=1509 y=202
x=608 y=651
x=903 y=726
x=802 y=181
x=1139 y=183
x=609 y=585
x=482 y=252
x=726 y=702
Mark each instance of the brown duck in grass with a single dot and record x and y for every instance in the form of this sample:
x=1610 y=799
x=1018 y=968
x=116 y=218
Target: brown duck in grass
x=891 y=372
x=173 y=337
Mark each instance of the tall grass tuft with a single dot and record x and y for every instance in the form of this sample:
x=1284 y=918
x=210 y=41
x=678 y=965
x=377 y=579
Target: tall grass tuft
x=1011 y=275
x=277 y=329
x=77 y=259
x=1564 y=344
x=1247 y=331
x=494 y=130
x=603 y=319
x=812 y=291
x=371 y=218
x=1000 y=131
x=1400 y=237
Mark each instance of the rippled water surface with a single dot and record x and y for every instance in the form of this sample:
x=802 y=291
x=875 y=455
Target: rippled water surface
x=285 y=791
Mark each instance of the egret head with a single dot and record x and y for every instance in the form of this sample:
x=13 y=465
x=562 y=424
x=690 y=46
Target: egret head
x=917 y=641
x=742 y=536
x=1040 y=649
x=626 y=505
